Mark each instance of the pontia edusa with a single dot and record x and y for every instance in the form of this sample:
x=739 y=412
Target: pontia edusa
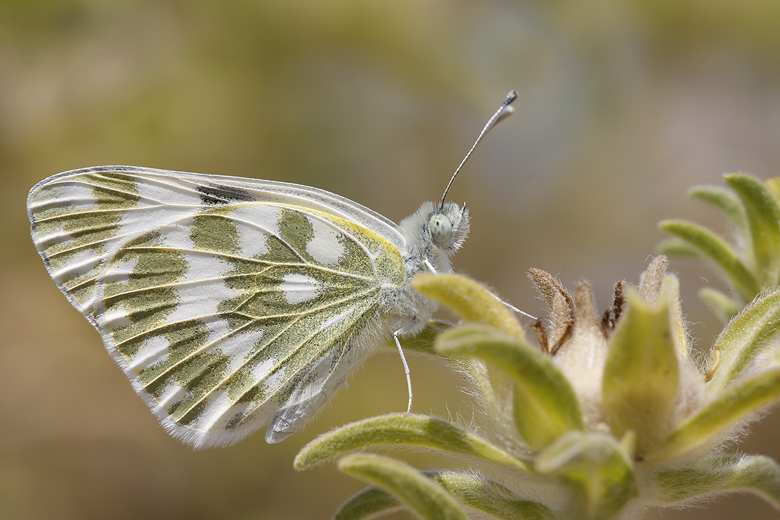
x=231 y=303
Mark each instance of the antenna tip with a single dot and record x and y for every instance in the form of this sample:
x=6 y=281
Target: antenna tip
x=505 y=112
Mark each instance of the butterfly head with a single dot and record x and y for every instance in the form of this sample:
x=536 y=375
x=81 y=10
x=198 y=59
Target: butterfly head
x=448 y=226
x=434 y=232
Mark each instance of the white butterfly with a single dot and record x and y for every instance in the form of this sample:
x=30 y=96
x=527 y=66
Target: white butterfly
x=228 y=302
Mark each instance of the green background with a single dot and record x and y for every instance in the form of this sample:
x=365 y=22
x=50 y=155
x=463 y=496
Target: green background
x=623 y=104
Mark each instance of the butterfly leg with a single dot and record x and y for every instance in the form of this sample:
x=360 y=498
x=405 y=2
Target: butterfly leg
x=404 y=330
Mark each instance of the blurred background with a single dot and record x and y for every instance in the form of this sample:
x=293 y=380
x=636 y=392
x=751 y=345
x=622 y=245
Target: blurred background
x=622 y=106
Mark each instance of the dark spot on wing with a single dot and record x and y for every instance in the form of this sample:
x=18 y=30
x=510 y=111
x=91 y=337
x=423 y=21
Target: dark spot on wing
x=218 y=195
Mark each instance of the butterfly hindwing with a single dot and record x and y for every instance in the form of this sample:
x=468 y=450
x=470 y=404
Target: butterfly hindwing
x=227 y=302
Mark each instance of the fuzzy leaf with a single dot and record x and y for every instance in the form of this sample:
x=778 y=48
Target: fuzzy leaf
x=641 y=375
x=405 y=483
x=709 y=425
x=469 y=299
x=489 y=498
x=490 y=385
x=725 y=201
x=652 y=280
x=404 y=429
x=744 y=338
x=773 y=185
x=714 y=248
x=670 y=289
x=596 y=466
x=471 y=492
x=763 y=215
x=367 y=503
x=717 y=475
x=721 y=305
x=545 y=405
x=677 y=248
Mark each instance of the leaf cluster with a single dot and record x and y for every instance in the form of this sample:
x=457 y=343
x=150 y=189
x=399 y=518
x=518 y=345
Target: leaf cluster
x=750 y=261
x=545 y=452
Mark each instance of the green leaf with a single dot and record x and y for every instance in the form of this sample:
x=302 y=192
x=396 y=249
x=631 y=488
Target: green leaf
x=471 y=492
x=718 y=475
x=367 y=503
x=652 y=280
x=763 y=216
x=670 y=290
x=491 y=499
x=405 y=483
x=496 y=404
x=677 y=248
x=469 y=299
x=725 y=201
x=773 y=185
x=721 y=305
x=404 y=430
x=744 y=338
x=641 y=374
x=710 y=424
x=598 y=469
x=545 y=405
x=714 y=248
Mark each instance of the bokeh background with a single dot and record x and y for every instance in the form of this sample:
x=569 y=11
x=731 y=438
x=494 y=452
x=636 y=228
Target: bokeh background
x=623 y=104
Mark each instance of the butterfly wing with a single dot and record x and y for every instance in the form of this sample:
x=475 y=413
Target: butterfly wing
x=227 y=302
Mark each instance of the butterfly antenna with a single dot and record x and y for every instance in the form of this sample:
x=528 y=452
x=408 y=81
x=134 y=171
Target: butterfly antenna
x=502 y=113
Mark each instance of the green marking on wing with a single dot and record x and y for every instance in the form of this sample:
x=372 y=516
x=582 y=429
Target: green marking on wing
x=377 y=257
x=302 y=344
x=296 y=231
x=72 y=233
x=148 y=296
x=290 y=341
x=215 y=231
x=185 y=339
x=297 y=347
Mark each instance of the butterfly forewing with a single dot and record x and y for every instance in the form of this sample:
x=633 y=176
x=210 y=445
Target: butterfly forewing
x=228 y=303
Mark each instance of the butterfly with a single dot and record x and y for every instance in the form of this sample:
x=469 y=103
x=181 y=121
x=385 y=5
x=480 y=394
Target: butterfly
x=231 y=303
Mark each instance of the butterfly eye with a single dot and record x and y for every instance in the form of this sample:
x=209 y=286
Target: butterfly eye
x=441 y=228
